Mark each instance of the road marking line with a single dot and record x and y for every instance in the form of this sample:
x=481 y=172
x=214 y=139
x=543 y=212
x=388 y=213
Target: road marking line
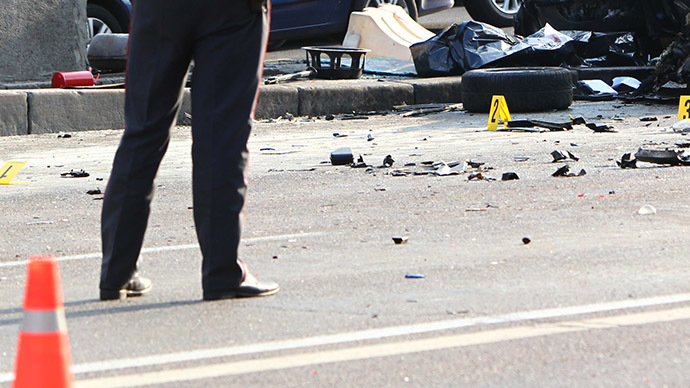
x=169 y=248
x=370 y=334
x=384 y=350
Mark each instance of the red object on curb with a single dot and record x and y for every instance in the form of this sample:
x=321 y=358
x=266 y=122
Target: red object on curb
x=73 y=78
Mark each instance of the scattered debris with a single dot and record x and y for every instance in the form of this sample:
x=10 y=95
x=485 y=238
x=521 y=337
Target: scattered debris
x=564 y=172
x=667 y=156
x=369 y=137
x=75 y=174
x=414 y=276
x=573 y=157
x=521 y=159
x=551 y=126
x=424 y=109
x=342 y=156
x=557 y=156
x=65 y=136
x=601 y=128
x=267 y=149
x=40 y=223
x=646 y=210
x=526 y=240
x=474 y=164
x=360 y=163
x=399 y=240
x=509 y=176
x=94 y=192
x=479 y=177
x=336 y=134
x=352 y=116
x=388 y=161
x=682 y=126
x=626 y=162
x=651 y=118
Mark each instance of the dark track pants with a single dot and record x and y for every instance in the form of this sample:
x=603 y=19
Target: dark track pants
x=227 y=42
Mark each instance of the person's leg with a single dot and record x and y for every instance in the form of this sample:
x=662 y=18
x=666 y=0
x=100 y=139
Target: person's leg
x=158 y=58
x=228 y=60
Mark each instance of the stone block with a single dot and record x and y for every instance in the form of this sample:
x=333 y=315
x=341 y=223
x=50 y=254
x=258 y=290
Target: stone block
x=276 y=100
x=39 y=38
x=436 y=90
x=322 y=97
x=13 y=113
x=61 y=110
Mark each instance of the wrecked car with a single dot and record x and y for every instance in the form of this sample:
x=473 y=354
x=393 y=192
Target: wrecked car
x=654 y=22
x=499 y=13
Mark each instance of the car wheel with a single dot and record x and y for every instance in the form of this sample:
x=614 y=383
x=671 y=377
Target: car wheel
x=101 y=21
x=526 y=89
x=408 y=5
x=499 y=13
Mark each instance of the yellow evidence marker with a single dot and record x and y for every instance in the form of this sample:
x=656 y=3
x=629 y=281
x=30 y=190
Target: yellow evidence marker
x=499 y=111
x=684 y=108
x=9 y=170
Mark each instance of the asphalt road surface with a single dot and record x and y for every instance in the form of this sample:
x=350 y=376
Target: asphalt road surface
x=600 y=296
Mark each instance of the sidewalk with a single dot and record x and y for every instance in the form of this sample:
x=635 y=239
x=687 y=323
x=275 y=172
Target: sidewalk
x=38 y=111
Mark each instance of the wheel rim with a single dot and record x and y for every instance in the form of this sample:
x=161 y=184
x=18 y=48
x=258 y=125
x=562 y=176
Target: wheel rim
x=376 y=3
x=97 y=26
x=507 y=6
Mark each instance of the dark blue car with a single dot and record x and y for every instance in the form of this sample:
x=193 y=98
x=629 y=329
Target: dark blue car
x=290 y=19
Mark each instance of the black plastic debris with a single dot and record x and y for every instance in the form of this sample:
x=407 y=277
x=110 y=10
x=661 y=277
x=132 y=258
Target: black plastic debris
x=414 y=276
x=370 y=138
x=398 y=240
x=479 y=177
x=509 y=176
x=573 y=157
x=342 y=156
x=626 y=162
x=94 y=192
x=670 y=157
x=352 y=116
x=600 y=128
x=565 y=172
x=472 y=164
x=558 y=156
x=336 y=134
x=388 y=161
x=65 y=136
x=360 y=163
x=75 y=174
x=651 y=118
x=526 y=240
x=551 y=126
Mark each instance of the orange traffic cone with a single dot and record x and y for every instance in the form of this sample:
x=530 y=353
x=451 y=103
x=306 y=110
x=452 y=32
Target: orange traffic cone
x=43 y=355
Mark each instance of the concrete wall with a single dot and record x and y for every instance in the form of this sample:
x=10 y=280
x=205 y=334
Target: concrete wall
x=41 y=37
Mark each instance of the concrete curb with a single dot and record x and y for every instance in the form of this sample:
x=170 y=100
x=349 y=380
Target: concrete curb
x=64 y=110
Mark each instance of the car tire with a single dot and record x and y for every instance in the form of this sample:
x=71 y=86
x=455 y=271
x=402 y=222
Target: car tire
x=526 y=89
x=487 y=11
x=409 y=5
x=100 y=15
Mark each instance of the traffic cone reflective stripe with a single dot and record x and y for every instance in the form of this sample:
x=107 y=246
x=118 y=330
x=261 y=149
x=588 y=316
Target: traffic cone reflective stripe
x=43 y=354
